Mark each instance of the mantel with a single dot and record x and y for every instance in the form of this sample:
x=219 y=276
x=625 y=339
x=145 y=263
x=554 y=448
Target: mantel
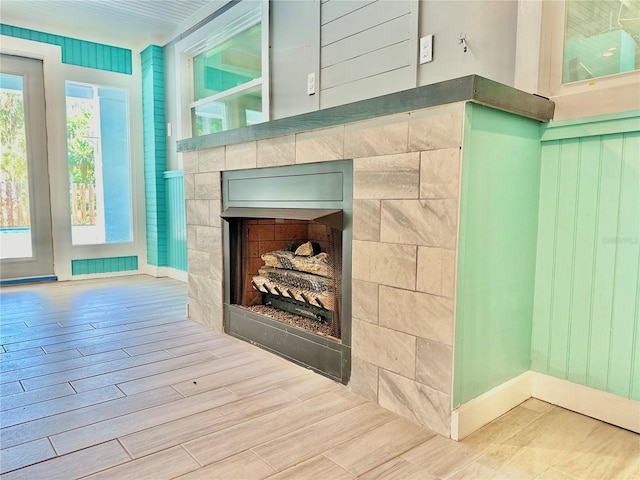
x=472 y=88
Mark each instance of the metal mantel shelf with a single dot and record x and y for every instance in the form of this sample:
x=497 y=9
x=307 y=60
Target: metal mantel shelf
x=472 y=88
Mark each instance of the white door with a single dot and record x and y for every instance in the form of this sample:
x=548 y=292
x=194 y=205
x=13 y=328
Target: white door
x=26 y=247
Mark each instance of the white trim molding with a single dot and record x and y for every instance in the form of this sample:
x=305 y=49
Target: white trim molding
x=604 y=406
x=471 y=416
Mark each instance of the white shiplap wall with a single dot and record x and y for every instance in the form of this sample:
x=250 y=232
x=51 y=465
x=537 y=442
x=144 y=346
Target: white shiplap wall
x=367 y=48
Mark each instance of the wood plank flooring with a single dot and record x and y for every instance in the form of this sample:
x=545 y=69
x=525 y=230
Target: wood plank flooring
x=108 y=379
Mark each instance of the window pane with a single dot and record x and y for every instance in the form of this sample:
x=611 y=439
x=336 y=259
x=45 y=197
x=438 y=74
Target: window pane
x=15 y=222
x=234 y=62
x=230 y=112
x=601 y=38
x=99 y=164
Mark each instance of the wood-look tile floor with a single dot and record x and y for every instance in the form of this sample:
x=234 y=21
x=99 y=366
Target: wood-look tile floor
x=108 y=379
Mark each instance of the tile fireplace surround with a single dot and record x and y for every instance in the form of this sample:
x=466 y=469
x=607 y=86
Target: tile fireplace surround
x=407 y=151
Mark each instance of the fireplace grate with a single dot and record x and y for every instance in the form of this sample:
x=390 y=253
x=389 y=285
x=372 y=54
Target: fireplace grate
x=295 y=307
x=302 y=279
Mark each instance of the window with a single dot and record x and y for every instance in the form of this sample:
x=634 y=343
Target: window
x=600 y=38
x=99 y=164
x=227 y=71
x=589 y=62
x=227 y=84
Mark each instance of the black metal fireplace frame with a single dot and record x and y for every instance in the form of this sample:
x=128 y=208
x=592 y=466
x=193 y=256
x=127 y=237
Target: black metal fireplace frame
x=286 y=192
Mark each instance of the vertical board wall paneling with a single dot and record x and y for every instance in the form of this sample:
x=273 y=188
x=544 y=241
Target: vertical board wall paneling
x=89 y=266
x=367 y=48
x=585 y=324
x=565 y=233
x=78 y=52
x=155 y=154
x=585 y=248
x=176 y=220
x=598 y=347
x=626 y=288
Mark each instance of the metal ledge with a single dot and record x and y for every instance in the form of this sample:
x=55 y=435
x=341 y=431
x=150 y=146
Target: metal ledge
x=322 y=355
x=331 y=218
x=472 y=88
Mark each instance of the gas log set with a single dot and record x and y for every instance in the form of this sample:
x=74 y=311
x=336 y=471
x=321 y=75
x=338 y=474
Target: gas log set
x=297 y=286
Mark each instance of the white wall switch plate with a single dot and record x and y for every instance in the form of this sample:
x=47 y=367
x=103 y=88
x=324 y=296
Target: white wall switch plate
x=311 y=83
x=426 y=49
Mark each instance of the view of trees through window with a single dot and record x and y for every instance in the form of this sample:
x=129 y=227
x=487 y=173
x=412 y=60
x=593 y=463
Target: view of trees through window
x=82 y=139
x=14 y=185
x=99 y=165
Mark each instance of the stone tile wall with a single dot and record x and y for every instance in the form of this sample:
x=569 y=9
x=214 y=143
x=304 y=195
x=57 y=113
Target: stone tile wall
x=406 y=200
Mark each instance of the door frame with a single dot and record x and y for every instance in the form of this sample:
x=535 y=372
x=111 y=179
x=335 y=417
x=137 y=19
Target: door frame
x=51 y=56
x=40 y=263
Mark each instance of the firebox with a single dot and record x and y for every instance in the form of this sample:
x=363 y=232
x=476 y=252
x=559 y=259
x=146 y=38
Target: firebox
x=287 y=262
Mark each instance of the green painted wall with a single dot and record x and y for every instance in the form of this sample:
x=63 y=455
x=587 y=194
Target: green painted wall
x=155 y=153
x=585 y=322
x=497 y=248
x=103 y=265
x=78 y=52
x=176 y=220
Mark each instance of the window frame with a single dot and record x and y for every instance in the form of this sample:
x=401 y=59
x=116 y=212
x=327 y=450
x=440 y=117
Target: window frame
x=100 y=187
x=137 y=245
x=231 y=22
x=551 y=62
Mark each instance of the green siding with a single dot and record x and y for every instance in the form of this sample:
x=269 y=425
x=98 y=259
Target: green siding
x=78 y=52
x=585 y=323
x=497 y=248
x=176 y=220
x=155 y=153
x=103 y=265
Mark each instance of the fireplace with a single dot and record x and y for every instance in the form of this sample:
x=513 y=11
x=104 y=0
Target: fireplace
x=287 y=263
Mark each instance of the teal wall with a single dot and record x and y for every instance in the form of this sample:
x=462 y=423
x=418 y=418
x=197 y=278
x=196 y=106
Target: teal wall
x=155 y=153
x=585 y=322
x=103 y=265
x=78 y=52
x=176 y=220
x=497 y=248
x=165 y=222
x=91 y=55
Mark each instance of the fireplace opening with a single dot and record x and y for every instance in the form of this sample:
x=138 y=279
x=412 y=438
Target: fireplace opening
x=290 y=270
x=287 y=262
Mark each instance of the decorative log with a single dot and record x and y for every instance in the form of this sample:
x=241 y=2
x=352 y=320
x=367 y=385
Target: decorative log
x=296 y=279
x=322 y=300
x=308 y=249
x=317 y=264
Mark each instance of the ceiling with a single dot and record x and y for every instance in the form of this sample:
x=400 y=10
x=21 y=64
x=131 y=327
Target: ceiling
x=119 y=22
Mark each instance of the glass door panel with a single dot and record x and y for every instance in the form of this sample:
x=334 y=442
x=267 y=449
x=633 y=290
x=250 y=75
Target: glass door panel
x=26 y=248
x=15 y=222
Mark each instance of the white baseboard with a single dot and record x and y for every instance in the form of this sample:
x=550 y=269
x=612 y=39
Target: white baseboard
x=174 y=273
x=594 y=403
x=93 y=276
x=610 y=408
x=471 y=416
